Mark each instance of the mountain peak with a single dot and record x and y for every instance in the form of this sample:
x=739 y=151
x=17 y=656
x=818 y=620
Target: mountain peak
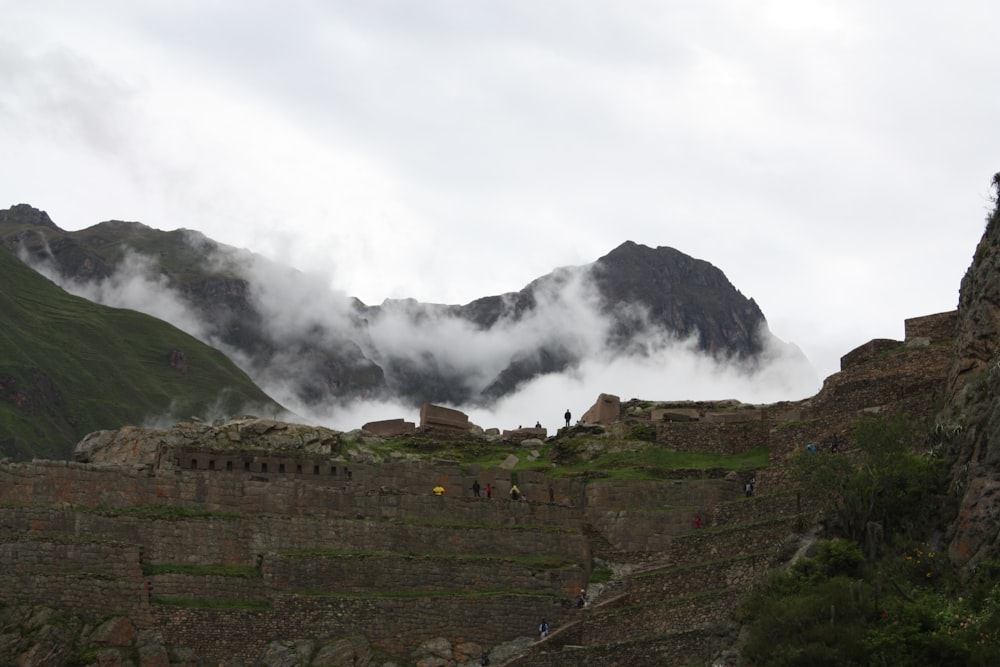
x=25 y=214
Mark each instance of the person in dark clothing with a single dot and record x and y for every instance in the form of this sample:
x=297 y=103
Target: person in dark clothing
x=567 y=416
x=475 y=488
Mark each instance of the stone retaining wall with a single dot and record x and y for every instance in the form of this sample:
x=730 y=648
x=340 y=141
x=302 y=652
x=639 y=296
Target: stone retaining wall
x=393 y=625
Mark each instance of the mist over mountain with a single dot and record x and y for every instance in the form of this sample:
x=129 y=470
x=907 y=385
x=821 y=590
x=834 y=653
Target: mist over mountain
x=638 y=315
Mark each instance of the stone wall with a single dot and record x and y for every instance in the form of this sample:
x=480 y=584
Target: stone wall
x=935 y=328
x=394 y=625
x=295 y=544
x=82 y=576
x=867 y=352
x=363 y=572
x=714 y=437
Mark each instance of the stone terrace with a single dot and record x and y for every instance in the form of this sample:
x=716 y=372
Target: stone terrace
x=223 y=552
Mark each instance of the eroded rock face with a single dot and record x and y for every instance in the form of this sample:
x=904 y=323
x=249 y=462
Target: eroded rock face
x=137 y=446
x=972 y=413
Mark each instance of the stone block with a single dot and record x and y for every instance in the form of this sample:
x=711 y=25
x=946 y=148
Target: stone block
x=435 y=415
x=389 y=427
x=522 y=434
x=605 y=411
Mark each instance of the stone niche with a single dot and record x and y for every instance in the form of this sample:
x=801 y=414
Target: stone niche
x=435 y=415
x=387 y=428
x=605 y=411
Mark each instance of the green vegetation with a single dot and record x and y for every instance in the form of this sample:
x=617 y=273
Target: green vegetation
x=436 y=593
x=889 y=492
x=209 y=603
x=201 y=570
x=600 y=575
x=530 y=562
x=592 y=457
x=469 y=525
x=162 y=512
x=69 y=367
x=651 y=463
x=875 y=595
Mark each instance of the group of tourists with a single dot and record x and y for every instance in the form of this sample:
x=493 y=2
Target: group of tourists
x=515 y=492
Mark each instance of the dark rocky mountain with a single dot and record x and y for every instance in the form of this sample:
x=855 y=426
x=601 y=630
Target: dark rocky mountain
x=337 y=349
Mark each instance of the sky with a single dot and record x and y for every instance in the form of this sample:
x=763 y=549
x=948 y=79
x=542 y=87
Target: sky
x=832 y=158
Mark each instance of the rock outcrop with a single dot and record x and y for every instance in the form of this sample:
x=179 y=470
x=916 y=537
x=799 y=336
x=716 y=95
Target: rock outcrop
x=971 y=421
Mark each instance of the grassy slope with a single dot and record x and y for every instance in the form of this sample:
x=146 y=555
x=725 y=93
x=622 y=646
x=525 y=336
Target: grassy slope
x=69 y=367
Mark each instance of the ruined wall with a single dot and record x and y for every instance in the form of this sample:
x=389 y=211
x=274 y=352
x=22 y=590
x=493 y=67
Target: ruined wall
x=394 y=625
x=936 y=328
x=82 y=576
x=714 y=437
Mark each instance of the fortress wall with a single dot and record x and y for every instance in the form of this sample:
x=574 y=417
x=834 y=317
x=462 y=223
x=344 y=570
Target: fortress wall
x=937 y=327
x=685 y=648
x=242 y=541
x=238 y=492
x=710 y=544
x=713 y=437
x=642 y=530
x=679 y=616
x=667 y=493
x=867 y=352
x=208 y=587
x=774 y=503
x=885 y=380
x=709 y=576
x=367 y=572
x=83 y=577
x=393 y=625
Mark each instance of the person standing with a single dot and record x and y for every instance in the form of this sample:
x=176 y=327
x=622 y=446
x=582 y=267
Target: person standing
x=489 y=490
x=515 y=493
x=567 y=416
x=543 y=629
x=475 y=488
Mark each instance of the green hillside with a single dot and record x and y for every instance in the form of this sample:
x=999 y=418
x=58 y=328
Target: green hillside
x=69 y=367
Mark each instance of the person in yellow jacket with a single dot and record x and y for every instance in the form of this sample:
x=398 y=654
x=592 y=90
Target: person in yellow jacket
x=515 y=493
x=438 y=490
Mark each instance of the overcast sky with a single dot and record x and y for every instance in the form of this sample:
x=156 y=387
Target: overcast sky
x=832 y=158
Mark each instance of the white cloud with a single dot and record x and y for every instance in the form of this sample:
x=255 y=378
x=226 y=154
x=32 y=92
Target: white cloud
x=830 y=157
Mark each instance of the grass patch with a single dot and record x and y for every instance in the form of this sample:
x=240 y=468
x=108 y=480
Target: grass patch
x=206 y=603
x=83 y=367
x=415 y=595
x=468 y=525
x=529 y=562
x=164 y=512
x=201 y=570
x=600 y=575
x=654 y=463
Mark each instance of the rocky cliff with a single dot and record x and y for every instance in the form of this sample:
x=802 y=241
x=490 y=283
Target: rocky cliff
x=971 y=419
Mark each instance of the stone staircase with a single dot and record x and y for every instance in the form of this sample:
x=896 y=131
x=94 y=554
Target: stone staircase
x=671 y=607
